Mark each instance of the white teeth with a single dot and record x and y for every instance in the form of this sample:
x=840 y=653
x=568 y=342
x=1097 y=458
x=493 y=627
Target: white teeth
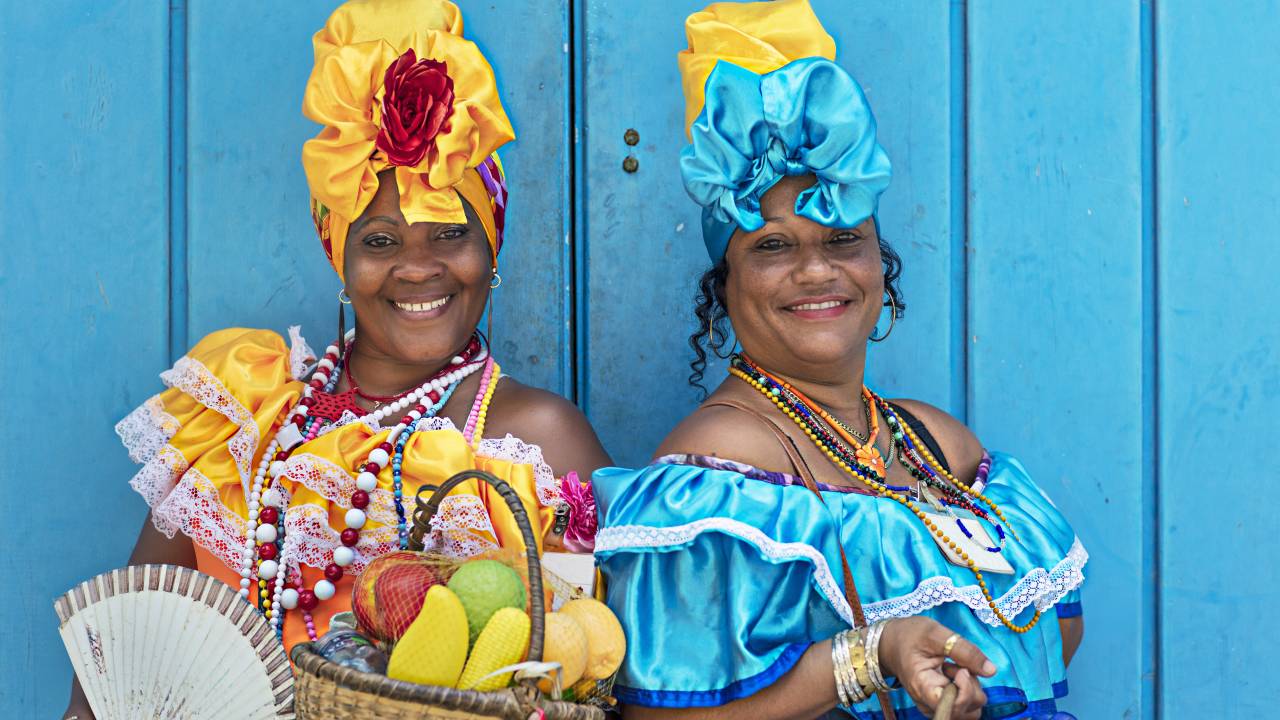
x=818 y=306
x=423 y=307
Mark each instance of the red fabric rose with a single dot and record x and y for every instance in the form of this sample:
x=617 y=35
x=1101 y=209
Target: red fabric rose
x=417 y=102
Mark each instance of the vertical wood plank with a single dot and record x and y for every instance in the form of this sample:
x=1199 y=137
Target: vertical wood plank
x=1056 y=302
x=254 y=259
x=83 y=142
x=1219 y=349
x=644 y=249
x=533 y=309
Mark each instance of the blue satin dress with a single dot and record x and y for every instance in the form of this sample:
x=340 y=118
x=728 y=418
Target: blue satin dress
x=723 y=575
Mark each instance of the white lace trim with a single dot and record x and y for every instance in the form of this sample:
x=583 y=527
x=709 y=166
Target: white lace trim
x=513 y=450
x=1042 y=587
x=628 y=537
x=194 y=508
x=182 y=499
x=301 y=356
x=193 y=378
x=147 y=429
x=155 y=481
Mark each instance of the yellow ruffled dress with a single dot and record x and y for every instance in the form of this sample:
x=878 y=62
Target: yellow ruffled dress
x=200 y=441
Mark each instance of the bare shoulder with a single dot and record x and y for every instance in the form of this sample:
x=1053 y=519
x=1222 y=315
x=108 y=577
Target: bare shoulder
x=551 y=422
x=958 y=443
x=726 y=432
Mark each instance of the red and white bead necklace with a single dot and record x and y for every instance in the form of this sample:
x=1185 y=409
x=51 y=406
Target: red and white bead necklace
x=265 y=507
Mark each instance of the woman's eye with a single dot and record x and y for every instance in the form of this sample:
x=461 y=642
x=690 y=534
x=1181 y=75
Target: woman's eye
x=846 y=239
x=770 y=244
x=379 y=241
x=453 y=232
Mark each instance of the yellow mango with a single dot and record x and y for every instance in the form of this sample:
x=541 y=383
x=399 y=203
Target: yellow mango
x=433 y=650
x=504 y=641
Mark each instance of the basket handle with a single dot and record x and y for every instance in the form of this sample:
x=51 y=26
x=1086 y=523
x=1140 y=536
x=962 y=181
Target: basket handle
x=426 y=509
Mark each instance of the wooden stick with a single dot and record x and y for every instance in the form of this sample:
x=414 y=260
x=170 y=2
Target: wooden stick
x=946 y=702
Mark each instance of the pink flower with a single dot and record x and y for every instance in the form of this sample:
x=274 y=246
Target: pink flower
x=580 y=534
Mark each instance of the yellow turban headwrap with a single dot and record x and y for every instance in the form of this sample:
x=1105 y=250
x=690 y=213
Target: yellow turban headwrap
x=758 y=36
x=396 y=86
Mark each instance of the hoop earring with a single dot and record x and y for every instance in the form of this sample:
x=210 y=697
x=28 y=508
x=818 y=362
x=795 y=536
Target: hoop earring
x=496 y=281
x=893 y=320
x=341 y=294
x=342 y=326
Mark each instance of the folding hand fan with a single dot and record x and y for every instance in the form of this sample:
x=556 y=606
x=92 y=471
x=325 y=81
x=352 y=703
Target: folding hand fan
x=161 y=641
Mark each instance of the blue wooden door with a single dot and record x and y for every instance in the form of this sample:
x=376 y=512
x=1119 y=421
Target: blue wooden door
x=1084 y=196
x=153 y=192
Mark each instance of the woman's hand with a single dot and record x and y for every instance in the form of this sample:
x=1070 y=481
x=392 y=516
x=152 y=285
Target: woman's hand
x=912 y=650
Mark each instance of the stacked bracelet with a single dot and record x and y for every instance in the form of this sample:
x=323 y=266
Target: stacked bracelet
x=855 y=657
x=873 y=656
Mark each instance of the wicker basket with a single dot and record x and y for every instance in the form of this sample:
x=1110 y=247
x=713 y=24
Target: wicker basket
x=326 y=690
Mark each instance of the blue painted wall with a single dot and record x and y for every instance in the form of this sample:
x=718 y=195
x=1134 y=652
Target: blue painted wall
x=1084 y=196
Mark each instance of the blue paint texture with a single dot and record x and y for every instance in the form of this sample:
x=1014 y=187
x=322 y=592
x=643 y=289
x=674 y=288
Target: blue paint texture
x=1084 y=197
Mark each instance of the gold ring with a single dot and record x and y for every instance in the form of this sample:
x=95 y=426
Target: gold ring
x=950 y=644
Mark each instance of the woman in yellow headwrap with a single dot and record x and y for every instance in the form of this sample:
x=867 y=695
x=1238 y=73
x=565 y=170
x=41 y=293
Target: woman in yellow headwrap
x=283 y=473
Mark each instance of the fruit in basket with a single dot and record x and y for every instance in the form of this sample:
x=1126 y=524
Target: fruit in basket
x=606 y=643
x=484 y=587
x=504 y=641
x=564 y=642
x=388 y=595
x=434 y=648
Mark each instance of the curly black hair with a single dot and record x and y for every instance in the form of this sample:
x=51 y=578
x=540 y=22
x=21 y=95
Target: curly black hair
x=712 y=313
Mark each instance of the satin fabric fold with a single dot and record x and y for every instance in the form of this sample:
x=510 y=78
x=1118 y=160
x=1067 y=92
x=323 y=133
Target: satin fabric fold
x=739 y=572
x=344 y=93
x=243 y=384
x=807 y=118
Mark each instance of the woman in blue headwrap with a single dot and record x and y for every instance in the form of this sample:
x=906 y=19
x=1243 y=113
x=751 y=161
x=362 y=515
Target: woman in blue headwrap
x=802 y=544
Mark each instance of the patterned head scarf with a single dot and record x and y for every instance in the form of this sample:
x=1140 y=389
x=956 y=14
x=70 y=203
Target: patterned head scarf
x=396 y=86
x=765 y=101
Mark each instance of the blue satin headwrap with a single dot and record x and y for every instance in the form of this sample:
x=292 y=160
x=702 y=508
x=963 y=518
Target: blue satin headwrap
x=807 y=117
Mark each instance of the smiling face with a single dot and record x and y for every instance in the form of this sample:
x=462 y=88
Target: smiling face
x=418 y=290
x=803 y=297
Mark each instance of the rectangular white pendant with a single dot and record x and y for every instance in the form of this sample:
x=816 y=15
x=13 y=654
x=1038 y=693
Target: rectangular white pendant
x=289 y=437
x=976 y=543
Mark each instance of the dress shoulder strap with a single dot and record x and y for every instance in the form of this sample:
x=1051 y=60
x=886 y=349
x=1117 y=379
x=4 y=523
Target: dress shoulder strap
x=798 y=464
x=806 y=475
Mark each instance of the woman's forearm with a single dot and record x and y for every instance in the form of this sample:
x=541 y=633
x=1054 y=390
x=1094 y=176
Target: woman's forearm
x=154 y=547
x=1072 y=633
x=807 y=690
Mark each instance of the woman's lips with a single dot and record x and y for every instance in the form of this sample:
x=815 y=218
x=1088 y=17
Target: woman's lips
x=818 y=308
x=422 y=310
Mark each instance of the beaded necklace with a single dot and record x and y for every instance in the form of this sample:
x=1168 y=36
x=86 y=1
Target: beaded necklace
x=795 y=406
x=267 y=530
x=397 y=460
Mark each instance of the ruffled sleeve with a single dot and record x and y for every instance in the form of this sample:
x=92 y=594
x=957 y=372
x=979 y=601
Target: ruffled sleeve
x=197 y=440
x=720 y=582
x=722 y=577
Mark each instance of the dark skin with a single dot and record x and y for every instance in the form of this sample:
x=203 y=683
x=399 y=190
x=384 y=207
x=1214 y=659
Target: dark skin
x=803 y=299
x=387 y=261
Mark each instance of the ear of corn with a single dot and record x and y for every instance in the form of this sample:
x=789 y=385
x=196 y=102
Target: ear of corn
x=504 y=641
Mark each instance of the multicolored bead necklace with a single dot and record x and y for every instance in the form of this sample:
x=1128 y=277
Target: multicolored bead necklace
x=266 y=524
x=859 y=463
x=397 y=460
